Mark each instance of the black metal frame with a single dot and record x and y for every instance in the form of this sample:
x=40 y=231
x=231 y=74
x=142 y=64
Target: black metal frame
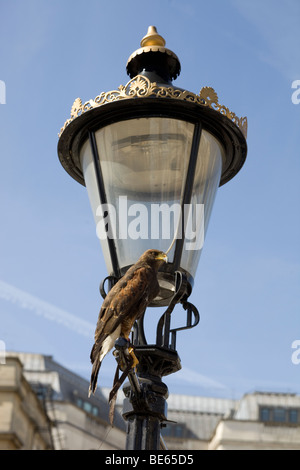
x=145 y=403
x=187 y=195
x=103 y=199
x=76 y=133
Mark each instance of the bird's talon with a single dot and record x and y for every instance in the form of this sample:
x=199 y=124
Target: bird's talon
x=135 y=360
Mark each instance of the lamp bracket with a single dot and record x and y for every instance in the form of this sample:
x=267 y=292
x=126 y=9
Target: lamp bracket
x=165 y=335
x=164 y=331
x=112 y=280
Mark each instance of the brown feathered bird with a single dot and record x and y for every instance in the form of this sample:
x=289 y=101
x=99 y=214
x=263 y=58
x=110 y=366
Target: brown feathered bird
x=124 y=304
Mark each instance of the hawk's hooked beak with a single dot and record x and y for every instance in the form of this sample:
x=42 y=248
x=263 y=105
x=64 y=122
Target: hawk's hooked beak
x=163 y=257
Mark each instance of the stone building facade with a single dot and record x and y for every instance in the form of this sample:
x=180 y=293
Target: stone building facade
x=43 y=405
x=24 y=423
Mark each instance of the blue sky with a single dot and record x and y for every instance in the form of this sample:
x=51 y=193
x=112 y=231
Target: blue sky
x=51 y=265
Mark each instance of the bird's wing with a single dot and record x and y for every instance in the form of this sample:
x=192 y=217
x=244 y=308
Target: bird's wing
x=121 y=301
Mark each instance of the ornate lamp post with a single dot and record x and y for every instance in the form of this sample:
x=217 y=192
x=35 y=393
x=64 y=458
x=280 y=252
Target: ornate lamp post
x=152 y=157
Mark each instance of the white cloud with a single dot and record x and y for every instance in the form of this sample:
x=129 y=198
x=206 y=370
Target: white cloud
x=50 y=312
x=278 y=24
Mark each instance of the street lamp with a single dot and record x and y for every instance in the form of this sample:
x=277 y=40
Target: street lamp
x=152 y=157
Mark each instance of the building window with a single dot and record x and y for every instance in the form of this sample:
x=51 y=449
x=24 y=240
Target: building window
x=278 y=415
x=293 y=416
x=265 y=414
x=86 y=406
x=178 y=431
x=79 y=402
x=174 y=430
x=166 y=431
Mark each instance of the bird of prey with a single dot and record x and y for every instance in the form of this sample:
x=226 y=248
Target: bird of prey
x=124 y=304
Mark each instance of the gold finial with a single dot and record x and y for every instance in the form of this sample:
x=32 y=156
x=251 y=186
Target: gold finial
x=152 y=47
x=152 y=38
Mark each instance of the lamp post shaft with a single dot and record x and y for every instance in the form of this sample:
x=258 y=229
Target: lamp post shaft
x=145 y=410
x=143 y=433
x=145 y=405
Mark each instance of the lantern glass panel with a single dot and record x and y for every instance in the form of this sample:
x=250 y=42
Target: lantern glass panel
x=90 y=178
x=144 y=165
x=206 y=182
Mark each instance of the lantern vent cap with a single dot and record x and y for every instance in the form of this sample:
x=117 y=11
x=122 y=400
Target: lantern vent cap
x=151 y=54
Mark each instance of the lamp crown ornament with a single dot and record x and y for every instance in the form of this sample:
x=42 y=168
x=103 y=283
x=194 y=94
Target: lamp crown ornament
x=154 y=56
x=141 y=84
x=152 y=38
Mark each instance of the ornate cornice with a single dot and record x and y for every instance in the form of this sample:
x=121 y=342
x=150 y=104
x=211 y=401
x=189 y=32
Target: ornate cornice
x=141 y=87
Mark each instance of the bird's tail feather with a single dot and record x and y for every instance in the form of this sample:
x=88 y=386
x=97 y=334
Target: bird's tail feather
x=94 y=375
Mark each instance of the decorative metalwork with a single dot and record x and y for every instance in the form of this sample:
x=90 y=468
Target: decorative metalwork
x=165 y=335
x=141 y=87
x=112 y=280
x=164 y=330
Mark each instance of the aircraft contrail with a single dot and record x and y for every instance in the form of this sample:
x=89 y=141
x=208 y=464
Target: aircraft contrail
x=27 y=301
x=50 y=312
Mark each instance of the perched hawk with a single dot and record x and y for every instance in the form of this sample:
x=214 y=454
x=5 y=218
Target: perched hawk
x=124 y=304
